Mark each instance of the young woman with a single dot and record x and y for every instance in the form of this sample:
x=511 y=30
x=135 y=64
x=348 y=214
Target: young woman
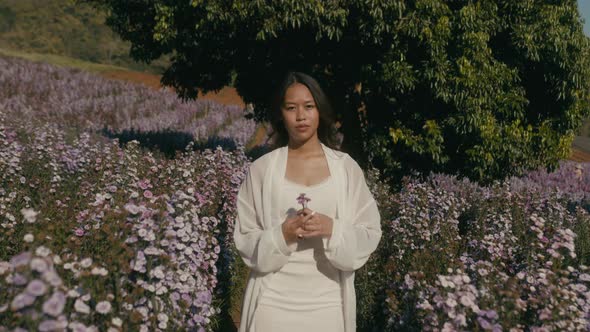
x=302 y=258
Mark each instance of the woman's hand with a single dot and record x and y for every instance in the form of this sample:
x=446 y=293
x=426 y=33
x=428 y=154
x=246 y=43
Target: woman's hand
x=316 y=225
x=292 y=227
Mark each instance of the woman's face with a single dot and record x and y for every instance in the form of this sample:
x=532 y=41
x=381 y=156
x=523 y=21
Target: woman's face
x=300 y=114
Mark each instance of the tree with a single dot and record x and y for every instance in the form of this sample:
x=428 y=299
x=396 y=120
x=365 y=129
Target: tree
x=484 y=89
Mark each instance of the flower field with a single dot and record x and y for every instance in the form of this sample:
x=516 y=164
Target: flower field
x=93 y=235
x=512 y=257
x=101 y=236
x=81 y=100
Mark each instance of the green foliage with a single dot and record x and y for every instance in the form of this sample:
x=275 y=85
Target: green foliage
x=65 y=28
x=483 y=89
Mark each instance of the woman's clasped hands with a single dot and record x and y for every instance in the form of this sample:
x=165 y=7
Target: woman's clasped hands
x=307 y=224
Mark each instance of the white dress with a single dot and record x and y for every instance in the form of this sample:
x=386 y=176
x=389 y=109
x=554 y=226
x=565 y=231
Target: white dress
x=305 y=294
x=355 y=234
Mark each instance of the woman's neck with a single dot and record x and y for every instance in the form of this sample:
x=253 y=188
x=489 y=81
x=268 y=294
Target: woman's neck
x=304 y=149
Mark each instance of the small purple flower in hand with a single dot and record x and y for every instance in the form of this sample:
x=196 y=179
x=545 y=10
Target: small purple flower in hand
x=303 y=200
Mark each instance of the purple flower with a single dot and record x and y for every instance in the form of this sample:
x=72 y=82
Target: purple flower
x=198 y=319
x=21 y=259
x=204 y=297
x=21 y=300
x=148 y=194
x=48 y=325
x=303 y=200
x=36 y=287
x=19 y=279
x=484 y=323
x=491 y=314
x=79 y=232
x=55 y=304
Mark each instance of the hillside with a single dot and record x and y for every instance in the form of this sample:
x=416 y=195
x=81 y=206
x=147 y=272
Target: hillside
x=67 y=28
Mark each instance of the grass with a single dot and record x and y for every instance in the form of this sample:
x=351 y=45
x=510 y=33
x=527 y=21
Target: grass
x=61 y=60
x=67 y=28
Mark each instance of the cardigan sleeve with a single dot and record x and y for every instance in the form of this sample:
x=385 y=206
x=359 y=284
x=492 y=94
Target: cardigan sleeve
x=263 y=250
x=354 y=237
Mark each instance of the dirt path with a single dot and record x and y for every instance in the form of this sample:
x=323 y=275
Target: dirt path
x=227 y=95
x=579 y=156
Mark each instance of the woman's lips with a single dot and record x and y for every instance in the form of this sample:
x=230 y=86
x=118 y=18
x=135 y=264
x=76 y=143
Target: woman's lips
x=302 y=128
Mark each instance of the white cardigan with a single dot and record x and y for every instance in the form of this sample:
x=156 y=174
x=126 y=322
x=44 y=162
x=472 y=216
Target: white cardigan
x=356 y=231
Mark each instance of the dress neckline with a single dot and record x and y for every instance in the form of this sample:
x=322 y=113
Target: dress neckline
x=310 y=186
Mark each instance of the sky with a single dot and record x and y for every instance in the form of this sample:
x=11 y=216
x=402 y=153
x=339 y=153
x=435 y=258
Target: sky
x=584 y=7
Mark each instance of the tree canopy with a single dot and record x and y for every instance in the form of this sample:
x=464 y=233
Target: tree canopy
x=483 y=89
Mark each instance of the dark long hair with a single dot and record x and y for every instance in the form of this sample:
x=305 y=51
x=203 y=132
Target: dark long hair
x=326 y=129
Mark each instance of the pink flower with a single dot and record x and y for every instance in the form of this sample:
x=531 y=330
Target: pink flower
x=144 y=184
x=79 y=232
x=148 y=194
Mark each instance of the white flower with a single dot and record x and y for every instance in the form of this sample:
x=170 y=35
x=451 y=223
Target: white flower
x=10 y=216
x=151 y=251
x=4 y=266
x=42 y=251
x=158 y=273
x=161 y=290
x=86 y=262
x=451 y=303
x=466 y=301
x=143 y=311
x=162 y=317
x=99 y=271
x=77 y=327
x=117 y=321
x=29 y=238
x=52 y=278
x=30 y=215
x=39 y=265
x=103 y=307
x=81 y=307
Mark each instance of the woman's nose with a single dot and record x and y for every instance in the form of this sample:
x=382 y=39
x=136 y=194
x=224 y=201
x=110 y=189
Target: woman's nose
x=300 y=113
